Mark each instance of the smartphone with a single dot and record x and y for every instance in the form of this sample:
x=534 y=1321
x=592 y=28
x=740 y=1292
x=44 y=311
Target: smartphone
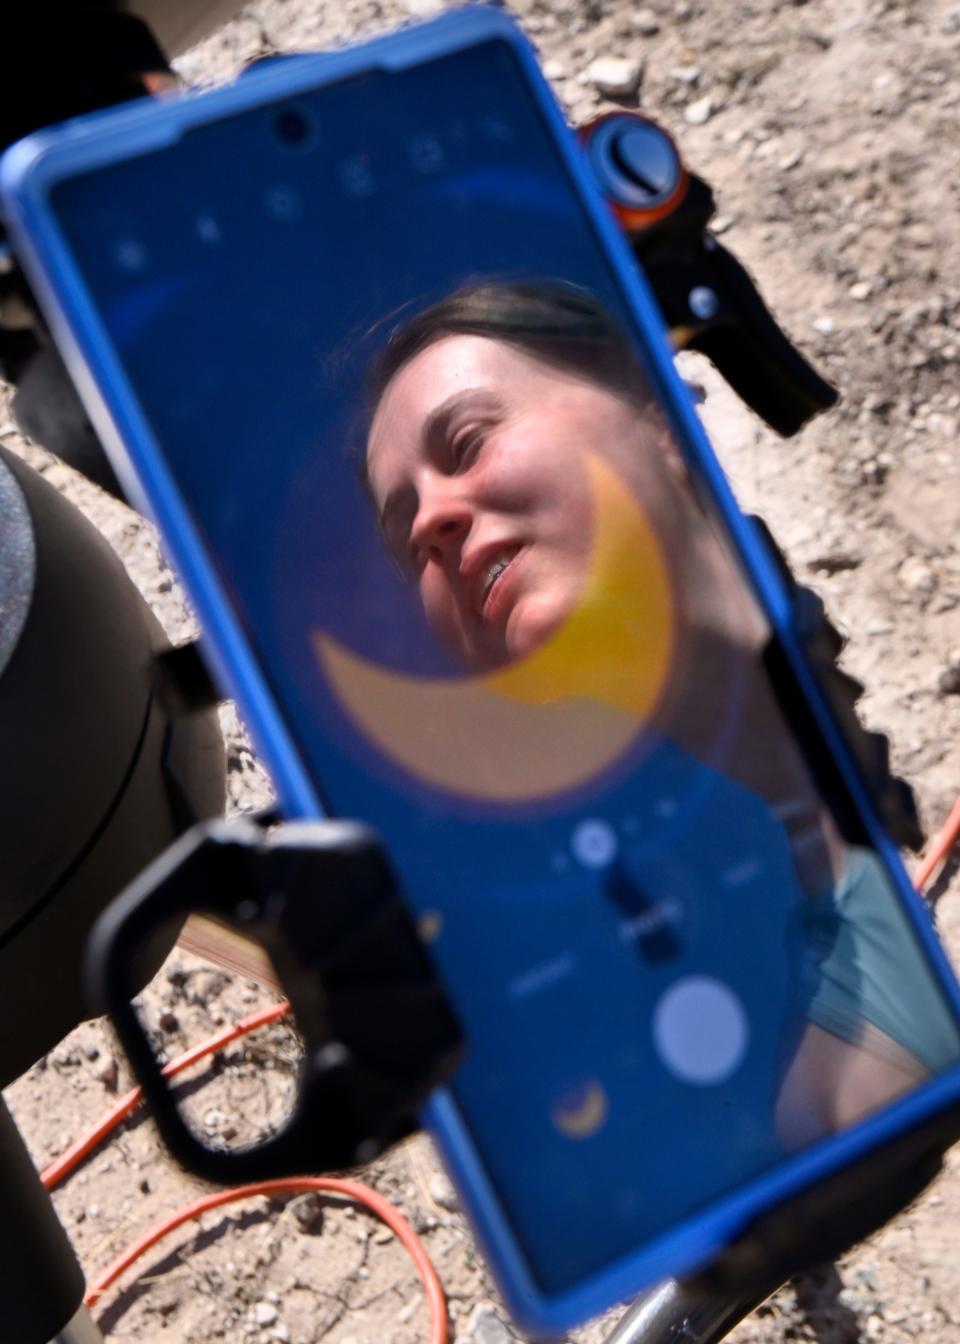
x=363 y=338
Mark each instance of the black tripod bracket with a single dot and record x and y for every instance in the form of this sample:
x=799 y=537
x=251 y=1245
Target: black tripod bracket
x=319 y=897
x=708 y=300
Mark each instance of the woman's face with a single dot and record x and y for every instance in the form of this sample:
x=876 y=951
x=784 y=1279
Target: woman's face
x=476 y=463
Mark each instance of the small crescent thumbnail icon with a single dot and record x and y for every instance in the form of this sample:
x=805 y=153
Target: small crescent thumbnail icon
x=581 y=1111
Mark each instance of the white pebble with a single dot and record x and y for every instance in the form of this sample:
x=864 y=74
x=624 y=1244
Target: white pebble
x=615 y=76
x=700 y=112
x=442 y=1192
x=916 y=575
x=646 y=23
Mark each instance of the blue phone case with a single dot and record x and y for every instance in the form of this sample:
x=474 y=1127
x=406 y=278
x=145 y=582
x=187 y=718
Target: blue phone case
x=29 y=175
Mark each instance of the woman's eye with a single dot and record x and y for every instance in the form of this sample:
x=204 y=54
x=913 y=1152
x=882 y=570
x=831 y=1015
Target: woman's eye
x=465 y=445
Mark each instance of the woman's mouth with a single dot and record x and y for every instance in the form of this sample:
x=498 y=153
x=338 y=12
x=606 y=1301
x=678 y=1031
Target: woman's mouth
x=489 y=582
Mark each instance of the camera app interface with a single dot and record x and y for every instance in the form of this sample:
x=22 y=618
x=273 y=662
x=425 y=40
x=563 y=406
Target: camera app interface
x=400 y=392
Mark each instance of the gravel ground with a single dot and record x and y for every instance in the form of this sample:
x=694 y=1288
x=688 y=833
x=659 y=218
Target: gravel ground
x=829 y=130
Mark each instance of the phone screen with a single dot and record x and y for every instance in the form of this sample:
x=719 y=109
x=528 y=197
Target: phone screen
x=400 y=391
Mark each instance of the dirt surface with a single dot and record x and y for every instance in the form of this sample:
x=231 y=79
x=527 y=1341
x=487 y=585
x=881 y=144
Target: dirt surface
x=829 y=130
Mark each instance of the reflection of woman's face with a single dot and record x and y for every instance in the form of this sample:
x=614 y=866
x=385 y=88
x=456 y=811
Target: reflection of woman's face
x=476 y=464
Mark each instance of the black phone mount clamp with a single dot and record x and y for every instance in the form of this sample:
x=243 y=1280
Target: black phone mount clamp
x=320 y=899
x=379 y=1035
x=708 y=299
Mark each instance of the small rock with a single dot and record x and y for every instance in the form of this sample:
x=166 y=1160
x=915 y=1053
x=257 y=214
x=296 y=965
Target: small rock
x=615 y=76
x=861 y=290
x=646 y=23
x=834 y=562
x=791 y=160
x=916 y=575
x=486 y=1327
x=280 y=1333
x=308 y=1212
x=265 y=1313
x=109 y=1075
x=824 y=325
x=421 y=9
x=946 y=426
x=942 y=602
x=555 y=70
x=874 y=471
x=168 y=1021
x=879 y=627
x=443 y=1193
x=685 y=74
x=948 y=682
x=721 y=223
x=91 y=1051
x=700 y=112
x=407 y=1311
x=165 y=1301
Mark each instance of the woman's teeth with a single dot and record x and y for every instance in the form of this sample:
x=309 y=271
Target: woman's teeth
x=492 y=573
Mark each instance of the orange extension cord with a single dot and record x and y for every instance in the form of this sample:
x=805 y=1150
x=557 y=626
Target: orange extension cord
x=62 y=1166
x=939 y=851
x=291 y=1185
x=940 y=847
x=59 y=1169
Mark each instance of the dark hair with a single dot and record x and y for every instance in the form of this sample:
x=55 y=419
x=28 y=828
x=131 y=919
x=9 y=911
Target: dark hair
x=561 y=323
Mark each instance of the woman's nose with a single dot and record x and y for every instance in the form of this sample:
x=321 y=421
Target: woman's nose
x=441 y=524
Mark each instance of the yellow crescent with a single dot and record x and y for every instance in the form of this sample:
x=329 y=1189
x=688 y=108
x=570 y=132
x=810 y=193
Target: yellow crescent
x=556 y=718
x=580 y=1121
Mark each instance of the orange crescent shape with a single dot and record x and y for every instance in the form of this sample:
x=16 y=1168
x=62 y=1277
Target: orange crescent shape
x=556 y=718
x=580 y=1121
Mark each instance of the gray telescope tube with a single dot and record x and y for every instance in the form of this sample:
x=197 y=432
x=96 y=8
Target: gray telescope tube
x=96 y=778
